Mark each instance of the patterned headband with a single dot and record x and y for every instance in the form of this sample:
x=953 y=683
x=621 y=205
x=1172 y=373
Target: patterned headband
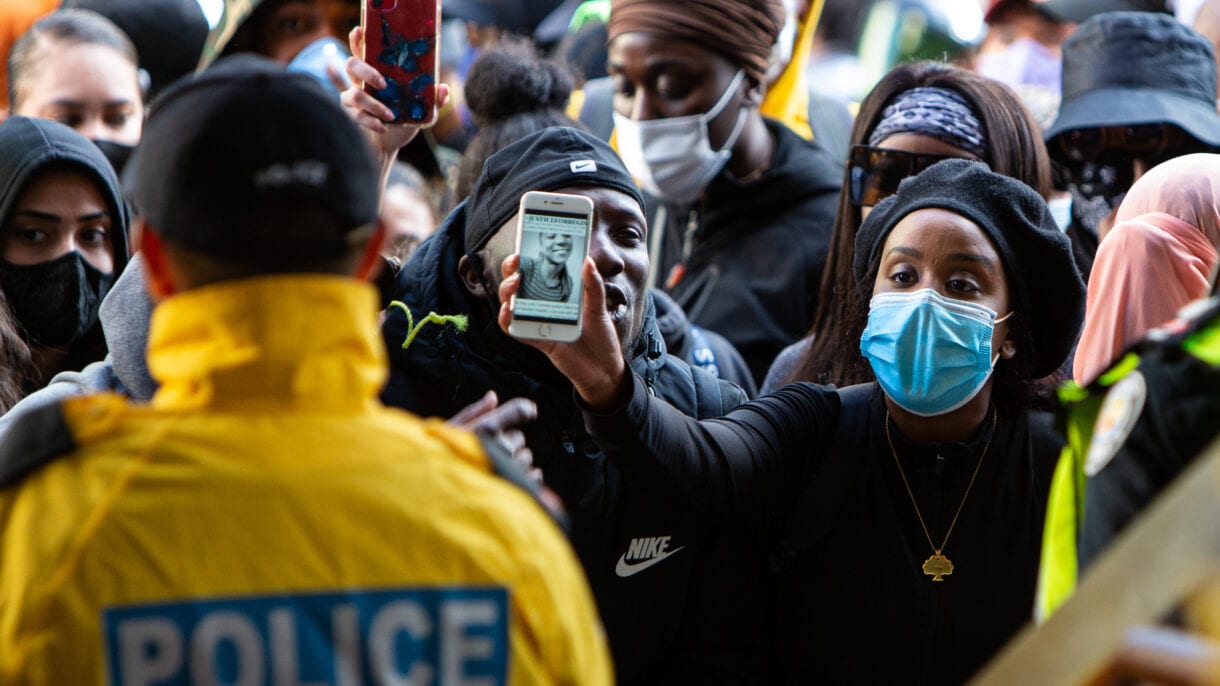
x=935 y=112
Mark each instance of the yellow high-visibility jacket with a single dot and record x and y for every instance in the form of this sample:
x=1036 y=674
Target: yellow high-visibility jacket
x=266 y=520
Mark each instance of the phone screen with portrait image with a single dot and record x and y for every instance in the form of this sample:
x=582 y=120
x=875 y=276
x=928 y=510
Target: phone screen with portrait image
x=552 y=240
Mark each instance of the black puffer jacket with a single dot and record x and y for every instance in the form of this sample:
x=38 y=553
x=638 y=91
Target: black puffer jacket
x=699 y=347
x=672 y=584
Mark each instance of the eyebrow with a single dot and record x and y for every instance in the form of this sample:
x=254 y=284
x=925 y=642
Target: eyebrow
x=37 y=214
x=79 y=104
x=958 y=256
x=659 y=64
x=972 y=257
x=910 y=252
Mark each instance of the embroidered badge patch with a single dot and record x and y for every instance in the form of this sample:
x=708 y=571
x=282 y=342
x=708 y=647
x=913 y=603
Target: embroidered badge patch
x=1120 y=409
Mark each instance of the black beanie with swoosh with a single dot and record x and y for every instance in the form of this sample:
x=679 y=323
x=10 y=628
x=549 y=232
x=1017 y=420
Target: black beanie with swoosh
x=547 y=160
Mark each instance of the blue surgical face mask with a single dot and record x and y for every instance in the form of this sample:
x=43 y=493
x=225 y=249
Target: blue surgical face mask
x=931 y=354
x=314 y=58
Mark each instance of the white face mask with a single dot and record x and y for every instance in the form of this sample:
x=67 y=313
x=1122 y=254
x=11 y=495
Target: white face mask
x=1061 y=210
x=673 y=158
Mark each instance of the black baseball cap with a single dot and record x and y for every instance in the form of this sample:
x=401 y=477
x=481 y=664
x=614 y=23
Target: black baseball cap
x=229 y=153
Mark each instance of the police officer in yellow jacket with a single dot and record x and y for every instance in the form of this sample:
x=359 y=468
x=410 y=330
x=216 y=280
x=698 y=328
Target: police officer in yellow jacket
x=1129 y=434
x=264 y=519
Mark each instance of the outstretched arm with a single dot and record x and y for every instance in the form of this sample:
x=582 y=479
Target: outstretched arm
x=756 y=457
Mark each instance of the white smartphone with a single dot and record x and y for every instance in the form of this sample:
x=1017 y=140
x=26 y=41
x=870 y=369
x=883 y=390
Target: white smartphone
x=552 y=239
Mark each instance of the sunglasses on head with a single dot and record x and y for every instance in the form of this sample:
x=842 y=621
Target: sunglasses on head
x=1145 y=141
x=876 y=172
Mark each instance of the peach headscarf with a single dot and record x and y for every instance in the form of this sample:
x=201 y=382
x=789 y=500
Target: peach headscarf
x=1157 y=258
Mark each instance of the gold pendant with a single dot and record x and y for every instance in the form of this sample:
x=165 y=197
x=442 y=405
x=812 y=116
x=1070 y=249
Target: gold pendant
x=938 y=566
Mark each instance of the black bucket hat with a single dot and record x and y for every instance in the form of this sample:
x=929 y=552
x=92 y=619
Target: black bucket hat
x=1044 y=285
x=1077 y=11
x=1122 y=68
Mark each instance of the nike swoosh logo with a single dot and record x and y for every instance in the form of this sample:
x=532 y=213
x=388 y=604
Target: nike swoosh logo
x=626 y=569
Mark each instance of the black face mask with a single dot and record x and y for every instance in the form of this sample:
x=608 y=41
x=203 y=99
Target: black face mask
x=116 y=153
x=55 y=302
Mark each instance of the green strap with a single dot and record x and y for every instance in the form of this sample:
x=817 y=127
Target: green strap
x=1205 y=345
x=590 y=10
x=459 y=321
x=1057 y=567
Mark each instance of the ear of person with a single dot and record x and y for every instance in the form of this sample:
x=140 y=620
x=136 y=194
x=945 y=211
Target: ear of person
x=370 y=259
x=157 y=273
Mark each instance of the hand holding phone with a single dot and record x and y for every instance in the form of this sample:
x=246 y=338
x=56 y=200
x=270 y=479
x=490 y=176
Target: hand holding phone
x=552 y=239
x=594 y=362
x=401 y=41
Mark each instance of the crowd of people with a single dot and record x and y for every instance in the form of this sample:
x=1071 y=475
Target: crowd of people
x=860 y=388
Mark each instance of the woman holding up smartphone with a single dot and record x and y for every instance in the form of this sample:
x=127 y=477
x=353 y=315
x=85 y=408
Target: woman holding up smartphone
x=906 y=515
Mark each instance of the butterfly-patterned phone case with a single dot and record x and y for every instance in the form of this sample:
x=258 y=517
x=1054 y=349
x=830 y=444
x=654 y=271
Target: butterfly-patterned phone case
x=401 y=42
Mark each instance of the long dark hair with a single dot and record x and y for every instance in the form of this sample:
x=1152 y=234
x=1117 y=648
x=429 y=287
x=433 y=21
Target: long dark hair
x=1013 y=148
x=18 y=374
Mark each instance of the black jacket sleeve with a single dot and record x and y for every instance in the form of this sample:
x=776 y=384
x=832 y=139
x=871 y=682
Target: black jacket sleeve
x=745 y=463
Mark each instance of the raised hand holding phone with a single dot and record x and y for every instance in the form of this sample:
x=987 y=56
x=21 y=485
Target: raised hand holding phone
x=594 y=362
x=401 y=41
x=385 y=138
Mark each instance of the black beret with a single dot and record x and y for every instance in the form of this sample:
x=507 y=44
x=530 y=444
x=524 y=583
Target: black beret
x=1043 y=282
x=547 y=160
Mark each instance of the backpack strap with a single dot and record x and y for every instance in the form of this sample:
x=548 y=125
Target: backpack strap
x=814 y=512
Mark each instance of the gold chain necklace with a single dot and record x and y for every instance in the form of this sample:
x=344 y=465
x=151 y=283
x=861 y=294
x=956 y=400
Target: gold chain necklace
x=938 y=566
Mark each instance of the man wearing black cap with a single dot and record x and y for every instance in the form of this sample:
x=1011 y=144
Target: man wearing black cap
x=676 y=593
x=1138 y=88
x=264 y=519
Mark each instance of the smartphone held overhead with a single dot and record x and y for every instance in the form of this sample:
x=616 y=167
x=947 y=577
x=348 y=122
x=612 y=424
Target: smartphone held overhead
x=552 y=239
x=401 y=41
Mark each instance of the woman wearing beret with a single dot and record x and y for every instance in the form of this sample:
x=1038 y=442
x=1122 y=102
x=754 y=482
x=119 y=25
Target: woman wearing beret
x=905 y=515
x=916 y=115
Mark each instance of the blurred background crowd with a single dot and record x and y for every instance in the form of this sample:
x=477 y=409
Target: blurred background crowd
x=757 y=152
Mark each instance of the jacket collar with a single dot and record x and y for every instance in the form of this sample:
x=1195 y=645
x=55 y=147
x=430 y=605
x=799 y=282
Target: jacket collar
x=305 y=341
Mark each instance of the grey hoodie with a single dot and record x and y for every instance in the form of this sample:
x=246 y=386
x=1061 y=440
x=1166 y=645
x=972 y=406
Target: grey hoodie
x=124 y=315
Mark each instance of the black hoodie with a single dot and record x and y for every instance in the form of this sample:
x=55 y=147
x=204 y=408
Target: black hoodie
x=756 y=249
x=693 y=617
x=32 y=145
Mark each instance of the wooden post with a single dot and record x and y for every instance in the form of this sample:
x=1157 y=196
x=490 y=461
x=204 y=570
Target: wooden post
x=1165 y=557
